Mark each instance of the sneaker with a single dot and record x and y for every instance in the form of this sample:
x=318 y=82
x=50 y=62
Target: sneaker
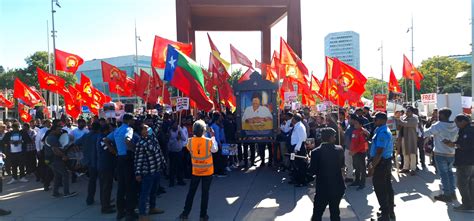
x=23 y=180
x=464 y=208
x=222 y=175
x=228 y=169
x=71 y=194
x=12 y=181
x=156 y=211
x=443 y=198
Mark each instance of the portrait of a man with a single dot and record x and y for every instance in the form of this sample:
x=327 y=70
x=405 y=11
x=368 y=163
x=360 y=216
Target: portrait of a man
x=257 y=116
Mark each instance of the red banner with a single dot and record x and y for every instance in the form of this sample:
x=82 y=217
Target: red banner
x=380 y=102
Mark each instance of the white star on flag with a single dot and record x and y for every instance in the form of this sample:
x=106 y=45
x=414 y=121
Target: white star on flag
x=172 y=61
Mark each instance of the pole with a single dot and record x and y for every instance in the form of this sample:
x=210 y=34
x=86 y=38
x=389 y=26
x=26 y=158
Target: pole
x=413 y=62
x=472 y=46
x=381 y=58
x=136 y=55
x=56 y=98
x=50 y=95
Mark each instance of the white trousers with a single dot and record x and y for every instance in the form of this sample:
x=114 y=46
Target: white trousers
x=409 y=161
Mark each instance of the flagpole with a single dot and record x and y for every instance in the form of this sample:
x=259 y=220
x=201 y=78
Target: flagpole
x=6 y=108
x=413 y=62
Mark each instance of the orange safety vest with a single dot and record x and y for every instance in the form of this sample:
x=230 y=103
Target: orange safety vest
x=201 y=156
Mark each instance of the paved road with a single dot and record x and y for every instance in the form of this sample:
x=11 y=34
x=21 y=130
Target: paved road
x=256 y=194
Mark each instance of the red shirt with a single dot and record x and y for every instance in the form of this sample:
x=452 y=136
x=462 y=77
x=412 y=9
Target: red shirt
x=359 y=143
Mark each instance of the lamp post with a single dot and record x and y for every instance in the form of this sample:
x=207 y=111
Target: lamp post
x=53 y=34
x=381 y=59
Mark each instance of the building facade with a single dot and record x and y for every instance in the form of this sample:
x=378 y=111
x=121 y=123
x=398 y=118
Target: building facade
x=344 y=46
x=463 y=57
x=93 y=70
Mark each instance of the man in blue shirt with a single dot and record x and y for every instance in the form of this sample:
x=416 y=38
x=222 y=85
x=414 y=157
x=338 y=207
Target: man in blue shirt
x=126 y=190
x=381 y=165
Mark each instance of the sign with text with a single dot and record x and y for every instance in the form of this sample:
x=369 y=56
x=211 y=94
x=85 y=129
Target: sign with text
x=182 y=103
x=380 y=102
x=428 y=98
x=291 y=96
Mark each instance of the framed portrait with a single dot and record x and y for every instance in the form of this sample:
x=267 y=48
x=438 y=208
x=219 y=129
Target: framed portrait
x=257 y=109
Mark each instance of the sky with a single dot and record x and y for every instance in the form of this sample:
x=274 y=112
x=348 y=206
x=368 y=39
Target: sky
x=95 y=29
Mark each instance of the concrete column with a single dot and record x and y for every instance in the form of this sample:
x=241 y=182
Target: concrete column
x=294 y=27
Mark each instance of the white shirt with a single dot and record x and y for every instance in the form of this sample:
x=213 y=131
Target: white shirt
x=185 y=135
x=286 y=127
x=261 y=111
x=78 y=133
x=298 y=136
x=69 y=130
x=39 y=137
x=15 y=148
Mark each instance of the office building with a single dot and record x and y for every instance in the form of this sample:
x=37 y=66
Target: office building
x=344 y=46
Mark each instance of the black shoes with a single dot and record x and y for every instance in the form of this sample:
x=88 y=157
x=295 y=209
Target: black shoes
x=5 y=212
x=443 y=198
x=109 y=210
x=183 y=217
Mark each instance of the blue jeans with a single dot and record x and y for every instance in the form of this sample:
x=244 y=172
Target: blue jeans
x=149 y=187
x=444 y=167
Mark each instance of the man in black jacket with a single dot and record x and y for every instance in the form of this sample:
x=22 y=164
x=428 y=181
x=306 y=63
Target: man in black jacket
x=464 y=162
x=327 y=163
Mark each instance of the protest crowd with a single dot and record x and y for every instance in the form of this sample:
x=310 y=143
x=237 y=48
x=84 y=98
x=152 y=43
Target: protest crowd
x=142 y=154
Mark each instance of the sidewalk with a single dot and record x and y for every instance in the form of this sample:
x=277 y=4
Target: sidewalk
x=256 y=194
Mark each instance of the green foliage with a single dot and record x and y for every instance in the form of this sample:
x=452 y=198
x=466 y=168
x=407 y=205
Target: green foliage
x=235 y=76
x=374 y=86
x=441 y=71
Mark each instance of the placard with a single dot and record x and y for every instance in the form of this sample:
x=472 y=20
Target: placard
x=290 y=96
x=182 y=103
x=380 y=102
x=428 y=98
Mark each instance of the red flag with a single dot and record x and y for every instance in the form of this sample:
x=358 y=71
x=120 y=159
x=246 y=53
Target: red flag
x=160 y=49
x=92 y=97
x=306 y=95
x=315 y=85
x=236 y=57
x=258 y=64
x=226 y=95
x=211 y=43
x=245 y=76
x=111 y=73
x=136 y=78
x=410 y=72
x=393 y=83
x=4 y=102
x=293 y=67
x=156 y=78
x=50 y=82
x=349 y=79
x=29 y=96
x=217 y=68
x=73 y=102
x=144 y=81
x=23 y=111
x=67 y=62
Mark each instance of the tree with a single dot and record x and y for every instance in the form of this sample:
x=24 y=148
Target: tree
x=440 y=71
x=374 y=86
x=2 y=70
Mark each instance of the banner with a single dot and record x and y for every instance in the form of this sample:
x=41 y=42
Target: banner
x=182 y=103
x=380 y=102
x=466 y=104
x=428 y=98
